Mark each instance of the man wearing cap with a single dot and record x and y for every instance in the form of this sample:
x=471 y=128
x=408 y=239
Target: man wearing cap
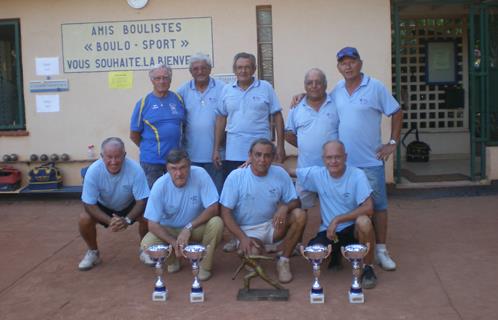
x=361 y=101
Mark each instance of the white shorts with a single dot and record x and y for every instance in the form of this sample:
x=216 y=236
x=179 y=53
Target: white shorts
x=263 y=231
x=307 y=198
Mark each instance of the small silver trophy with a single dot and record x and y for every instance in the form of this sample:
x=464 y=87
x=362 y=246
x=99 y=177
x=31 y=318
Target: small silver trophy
x=316 y=254
x=355 y=253
x=195 y=253
x=159 y=253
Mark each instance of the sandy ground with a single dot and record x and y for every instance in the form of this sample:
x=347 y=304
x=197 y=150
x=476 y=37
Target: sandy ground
x=445 y=249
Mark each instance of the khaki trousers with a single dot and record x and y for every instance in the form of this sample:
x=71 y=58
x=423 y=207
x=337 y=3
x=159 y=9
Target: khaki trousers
x=209 y=234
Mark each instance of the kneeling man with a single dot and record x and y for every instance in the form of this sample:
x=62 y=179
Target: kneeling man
x=183 y=207
x=114 y=193
x=260 y=207
x=346 y=205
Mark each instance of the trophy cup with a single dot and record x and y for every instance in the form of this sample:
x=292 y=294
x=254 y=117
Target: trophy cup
x=355 y=253
x=316 y=254
x=195 y=253
x=159 y=253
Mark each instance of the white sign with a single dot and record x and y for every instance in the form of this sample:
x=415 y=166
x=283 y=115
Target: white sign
x=134 y=45
x=47 y=103
x=47 y=66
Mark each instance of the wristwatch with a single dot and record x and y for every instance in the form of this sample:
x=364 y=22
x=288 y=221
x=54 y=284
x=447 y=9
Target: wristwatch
x=128 y=221
x=392 y=142
x=188 y=226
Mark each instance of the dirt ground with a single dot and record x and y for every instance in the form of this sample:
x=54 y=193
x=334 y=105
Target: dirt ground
x=445 y=249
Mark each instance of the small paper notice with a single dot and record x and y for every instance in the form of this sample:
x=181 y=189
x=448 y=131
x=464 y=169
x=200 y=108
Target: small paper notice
x=47 y=66
x=47 y=103
x=120 y=80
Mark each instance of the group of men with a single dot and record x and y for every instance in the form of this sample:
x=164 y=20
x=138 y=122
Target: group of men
x=193 y=143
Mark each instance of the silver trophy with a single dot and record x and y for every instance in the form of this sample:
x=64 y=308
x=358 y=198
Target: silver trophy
x=316 y=254
x=159 y=253
x=355 y=253
x=195 y=253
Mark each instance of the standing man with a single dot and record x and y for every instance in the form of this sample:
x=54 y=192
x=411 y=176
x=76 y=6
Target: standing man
x=156 y=123
x=310 y=124
x=345 y=205
x=244 y=113
x=361 y=101
x=201 y=97
x=183 y=207
x=114 y=193
x=260 y=207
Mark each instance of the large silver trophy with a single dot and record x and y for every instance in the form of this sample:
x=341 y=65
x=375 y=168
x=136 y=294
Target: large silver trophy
x=195 y=253
x=159 y=253
x=316 y=254
x=355 y=253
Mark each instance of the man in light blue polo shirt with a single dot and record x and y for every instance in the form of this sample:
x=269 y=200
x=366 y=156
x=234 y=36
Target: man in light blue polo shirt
x=183 y=207
x=114 y=193
x=310 y=124
x=345 y=205
x=260 y=207
x=361 y=101
x=156 y=123
x=201 y=96
x=244 y=112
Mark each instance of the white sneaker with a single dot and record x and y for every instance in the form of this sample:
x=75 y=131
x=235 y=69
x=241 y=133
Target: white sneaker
x=283 y=270
x=231 y=245
x=90 y=260
x=385 y=261
x=146 y=259
x=174 y=266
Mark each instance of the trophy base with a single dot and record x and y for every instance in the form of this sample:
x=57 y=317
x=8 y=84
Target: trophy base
x=159 y=295
x=356 y=297
x=196 y=297
x=263 y=295
x=317 y=298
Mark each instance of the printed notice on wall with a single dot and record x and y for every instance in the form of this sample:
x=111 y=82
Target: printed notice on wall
x=47 y=66
x=120 y=79
x=134 y=45
x=47 y=103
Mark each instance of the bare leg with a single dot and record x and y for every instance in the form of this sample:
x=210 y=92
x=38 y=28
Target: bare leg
x=295 y=229
x=365 y=234
x=88 y=230
x=380 y=224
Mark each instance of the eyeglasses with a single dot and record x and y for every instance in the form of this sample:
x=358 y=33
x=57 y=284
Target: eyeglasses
x=160 y=78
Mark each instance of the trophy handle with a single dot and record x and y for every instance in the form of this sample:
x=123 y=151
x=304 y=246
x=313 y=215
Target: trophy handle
x=343 y=252
x=368 y=247
x=301 y=249
x=329 y=251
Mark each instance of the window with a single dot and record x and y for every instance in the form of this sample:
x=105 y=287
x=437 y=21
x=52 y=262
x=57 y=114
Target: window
x=11 y=93
x=265 y=43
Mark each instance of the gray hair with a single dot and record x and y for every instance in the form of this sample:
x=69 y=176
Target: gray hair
x=159 y=67
x=244 y=55
x=333 y=141
x=200 y=57
x=177 y=155
x=112 y=140
x=265 y=142
x=320 y=72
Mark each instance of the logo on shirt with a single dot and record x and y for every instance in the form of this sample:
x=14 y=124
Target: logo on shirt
x=155 y=106
x=363 y=100
x=346 y=195
x=273 y=192
x=194 y=200
x=172 y=107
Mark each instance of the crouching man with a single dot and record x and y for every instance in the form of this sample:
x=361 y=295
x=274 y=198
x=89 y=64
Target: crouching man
x=114 y=194
x=183 y=208
x=260 y=207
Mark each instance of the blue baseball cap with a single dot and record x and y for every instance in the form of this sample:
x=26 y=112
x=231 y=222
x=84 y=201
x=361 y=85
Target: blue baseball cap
x=348 y=52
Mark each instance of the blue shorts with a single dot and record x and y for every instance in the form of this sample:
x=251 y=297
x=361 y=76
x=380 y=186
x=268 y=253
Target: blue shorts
x=377 y=179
